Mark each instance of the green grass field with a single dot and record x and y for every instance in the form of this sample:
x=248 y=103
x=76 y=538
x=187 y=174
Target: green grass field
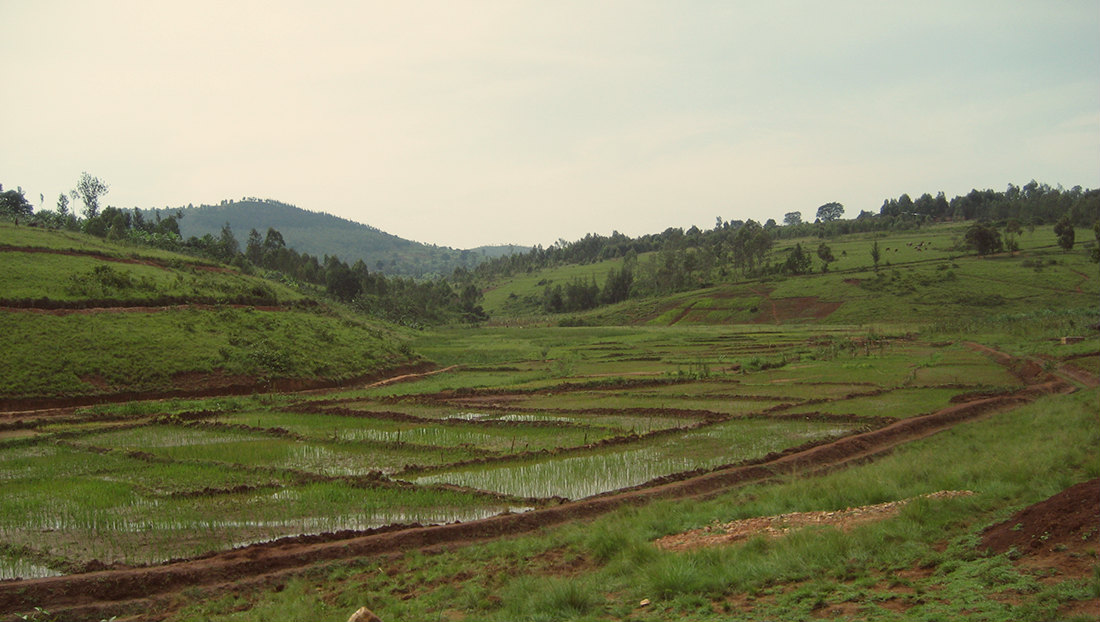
x=523 y=413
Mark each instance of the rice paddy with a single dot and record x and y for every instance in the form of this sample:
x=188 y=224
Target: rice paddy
x=555 y=414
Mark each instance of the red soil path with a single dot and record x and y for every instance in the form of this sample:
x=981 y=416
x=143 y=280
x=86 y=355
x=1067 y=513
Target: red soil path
x=97 y=595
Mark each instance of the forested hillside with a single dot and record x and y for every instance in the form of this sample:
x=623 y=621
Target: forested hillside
x=320 y=234
x=986 y=222
x=599 y=271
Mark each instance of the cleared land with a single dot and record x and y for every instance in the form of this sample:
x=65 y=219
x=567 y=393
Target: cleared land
x=225 y=460
x=126 y=486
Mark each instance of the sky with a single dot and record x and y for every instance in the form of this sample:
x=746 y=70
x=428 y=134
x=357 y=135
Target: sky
x=467 y=123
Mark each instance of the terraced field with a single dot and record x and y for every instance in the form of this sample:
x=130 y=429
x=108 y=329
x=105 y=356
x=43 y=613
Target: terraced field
x=147 y=482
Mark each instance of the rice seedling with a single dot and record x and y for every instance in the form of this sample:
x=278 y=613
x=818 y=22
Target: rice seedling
x=578 y=476
x=898 y=403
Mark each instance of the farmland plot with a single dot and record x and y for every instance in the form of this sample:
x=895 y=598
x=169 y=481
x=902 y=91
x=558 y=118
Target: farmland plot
x=161 y=480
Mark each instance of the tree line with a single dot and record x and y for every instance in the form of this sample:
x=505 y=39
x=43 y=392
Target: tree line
x=676 y=260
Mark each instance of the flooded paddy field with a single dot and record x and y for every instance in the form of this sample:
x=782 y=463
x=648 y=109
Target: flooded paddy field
x=521 y=419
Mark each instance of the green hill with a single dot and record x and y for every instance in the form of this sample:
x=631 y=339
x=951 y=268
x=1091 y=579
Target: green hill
x=922 y=278
x=86 y=317
x=320 y=234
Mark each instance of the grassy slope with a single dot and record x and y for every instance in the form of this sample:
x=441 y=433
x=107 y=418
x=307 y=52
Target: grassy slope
x=604 y=569
x=149 y=347
x=922 y=564
x=935 y=284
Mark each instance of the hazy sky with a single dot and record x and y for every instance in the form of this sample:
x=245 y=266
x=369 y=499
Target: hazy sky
x=467 y=123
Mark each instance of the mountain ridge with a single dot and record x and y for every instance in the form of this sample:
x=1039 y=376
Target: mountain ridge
x=320 y=233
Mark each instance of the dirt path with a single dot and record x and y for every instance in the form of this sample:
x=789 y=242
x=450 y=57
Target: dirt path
x=410 y=377
x=1084 y=278
x=98 y=595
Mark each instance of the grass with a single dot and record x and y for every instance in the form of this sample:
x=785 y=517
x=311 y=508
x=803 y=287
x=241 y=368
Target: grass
x=258 y=449
x=181 y=477
x=116 y=507
x=488 y=438
x=34 y=277
x=924 y=561
x=584 y=475
x=916 y=288
x=107 y=352
x=899 y=403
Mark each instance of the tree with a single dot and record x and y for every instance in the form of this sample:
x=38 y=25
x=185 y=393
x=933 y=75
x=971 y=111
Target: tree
x=792 y=219
x=273 y=241
x=14 y=204
x=254 y=247
x=89 y=189
x=1012 y=229
x=1096 y=249
x=876 y=255
x=617 y=286
x=984 y=238
x=1064 y=230
x=340 y=281
x=826 y=255
x=227 y=246
x=63 y=204
x=798 y=261
x=830 y=212
x=750 y=244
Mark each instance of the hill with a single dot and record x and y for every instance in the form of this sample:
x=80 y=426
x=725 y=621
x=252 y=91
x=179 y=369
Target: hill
x=924 y=276
x=554 y=465
x=320 y=234
x=102 y=320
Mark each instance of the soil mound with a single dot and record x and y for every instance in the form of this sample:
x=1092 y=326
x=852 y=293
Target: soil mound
x=1068 y=519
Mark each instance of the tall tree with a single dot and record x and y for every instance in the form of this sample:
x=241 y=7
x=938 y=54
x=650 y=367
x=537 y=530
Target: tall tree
x=14 y=204
x=984 y=238
x=792 y=218
x=830 y=212
x=254 y=247
x=798 y=261
x=1064 y=230
x=89 y=189
x=826 y=255
x=749 y=245
x=227 y=244
x=876 y=254
x=1096 y=249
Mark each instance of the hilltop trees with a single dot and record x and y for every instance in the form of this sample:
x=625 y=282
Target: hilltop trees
x=89 y=189
x=830 y=212
x=749 y=245
x=13 y=204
